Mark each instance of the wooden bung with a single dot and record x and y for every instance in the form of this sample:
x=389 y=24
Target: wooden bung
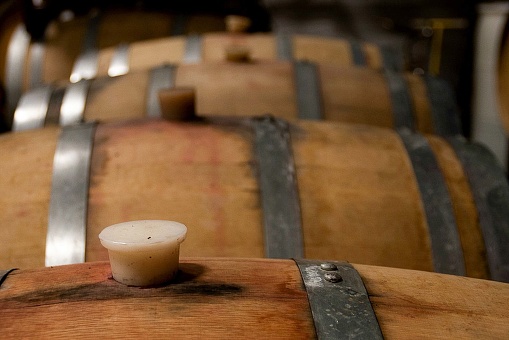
x=177 y=104
x=237 y=23
x=354 y=182
x=242 y=298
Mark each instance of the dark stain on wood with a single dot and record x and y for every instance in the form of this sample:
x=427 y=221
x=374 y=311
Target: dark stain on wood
x=186 y=285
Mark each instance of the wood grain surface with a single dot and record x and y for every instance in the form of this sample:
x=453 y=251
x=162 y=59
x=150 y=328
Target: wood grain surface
x=241 y=298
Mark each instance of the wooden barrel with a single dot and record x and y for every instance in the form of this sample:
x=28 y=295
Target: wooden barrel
x=253 y=298
x=284 y=89
x=258 y=187
x=219 y=46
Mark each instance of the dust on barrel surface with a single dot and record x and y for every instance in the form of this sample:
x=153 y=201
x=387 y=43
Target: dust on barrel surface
x=285 y=89
x=248 y=298
x=340 y=191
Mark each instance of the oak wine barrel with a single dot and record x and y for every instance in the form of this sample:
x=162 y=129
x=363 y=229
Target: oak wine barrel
x=258 y=187
x=288 y=90
x=254 y=298
x=215 y=46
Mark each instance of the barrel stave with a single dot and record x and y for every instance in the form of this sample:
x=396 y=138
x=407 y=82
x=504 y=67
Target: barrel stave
x=117 y=99
x=147 y=54
x=364 y=98
x=203 y=167
x=26 y=183
x=342 y=204
x=464 y=208
x=423 y=119
x=427 y=305
x=241 y=90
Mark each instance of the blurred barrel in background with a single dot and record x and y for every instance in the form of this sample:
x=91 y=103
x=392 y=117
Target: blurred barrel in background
x=139 y=53
x=256 y=46
x=285 y=89
x=434 y=36
x=39 y=14
x=258 y=187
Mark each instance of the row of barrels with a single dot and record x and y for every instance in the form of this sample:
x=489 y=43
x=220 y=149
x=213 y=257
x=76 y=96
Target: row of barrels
x=94 y=40
x=28 y=62
x=116 y=43
x=231 y=145
x=248 y=86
